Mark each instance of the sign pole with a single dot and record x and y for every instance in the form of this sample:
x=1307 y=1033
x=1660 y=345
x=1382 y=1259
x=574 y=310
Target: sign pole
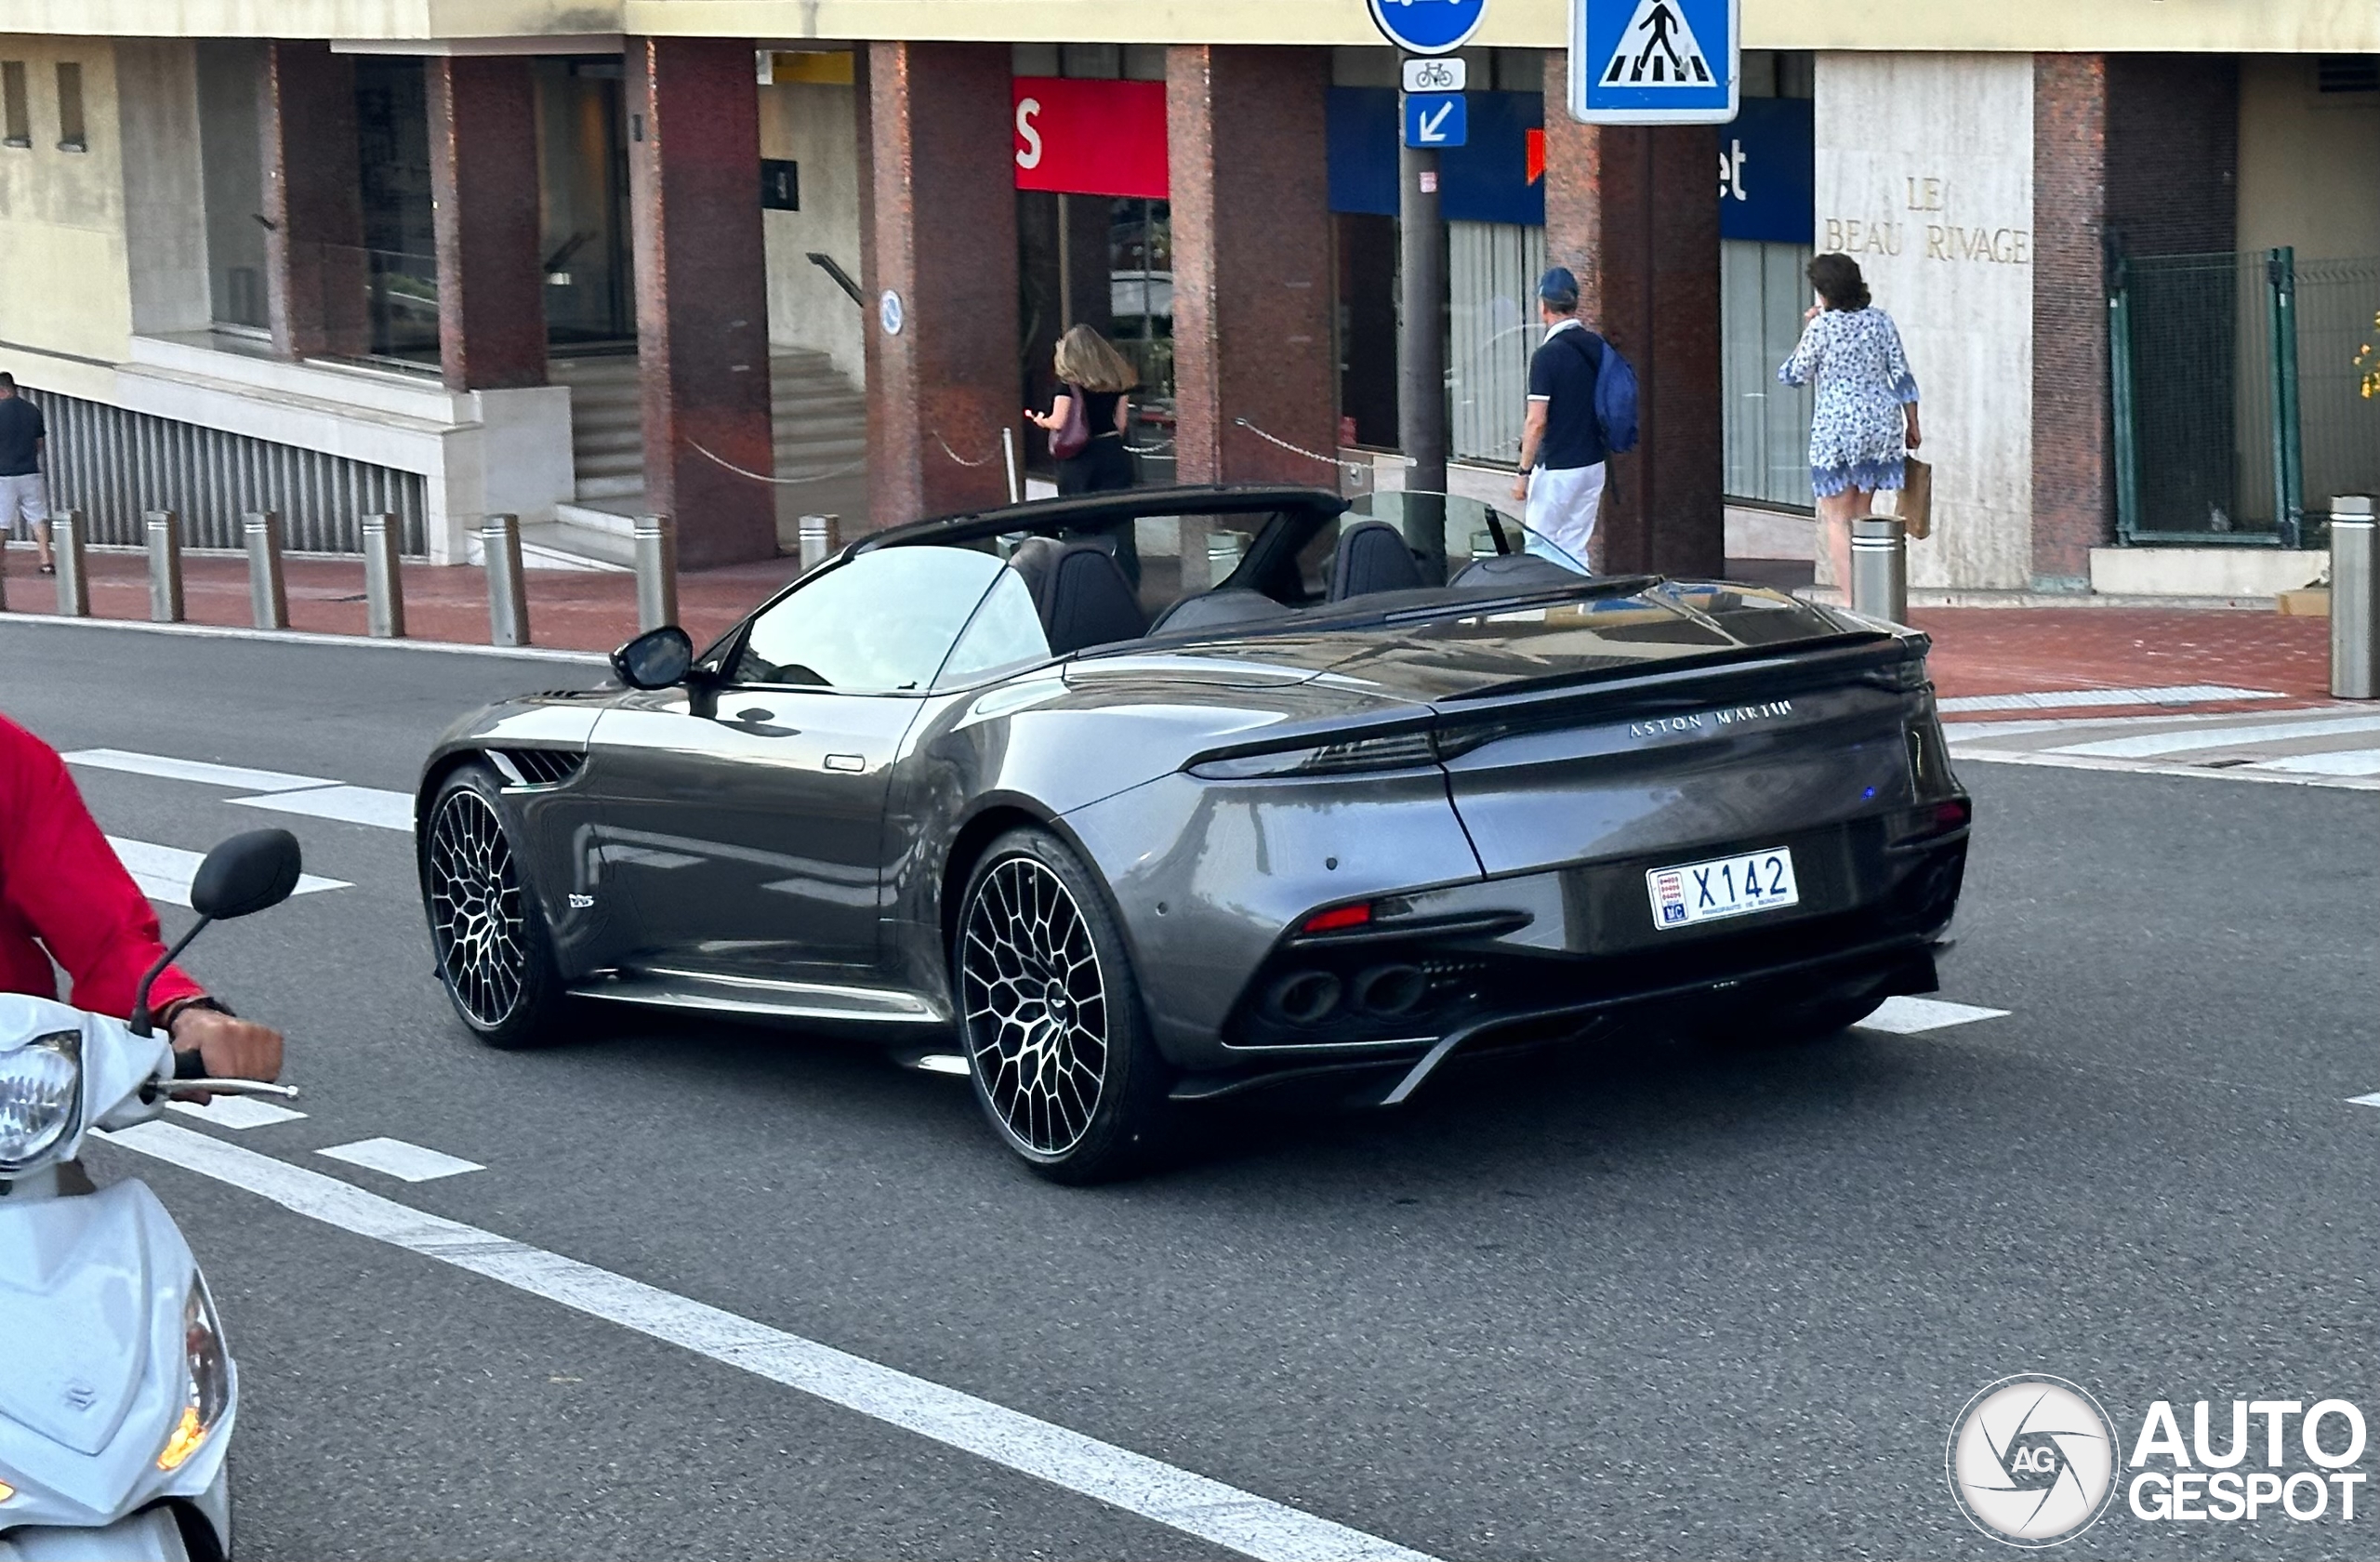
x=1422 y=367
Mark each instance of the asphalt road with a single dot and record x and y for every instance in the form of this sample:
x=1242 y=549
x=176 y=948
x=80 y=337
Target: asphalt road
x=1673 y=1301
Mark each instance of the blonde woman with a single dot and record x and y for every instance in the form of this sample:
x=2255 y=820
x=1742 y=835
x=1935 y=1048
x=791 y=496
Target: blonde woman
x=1096 y=378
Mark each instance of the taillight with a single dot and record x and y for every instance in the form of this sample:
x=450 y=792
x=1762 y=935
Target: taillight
x=1338 y=918
x=1928 y=820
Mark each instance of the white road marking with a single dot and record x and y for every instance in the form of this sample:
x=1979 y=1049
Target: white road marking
x=356 y=805
x=397 y=1158
x=199 y=771
x=237 y=1112
x=2372 y=1099
x=1194 y=1505
x=307 y=637
x=165 y=872
x=1908 y=1016
x=2346 y=761
x=2138 y=767
x=943 y=1063
x=2189 y=740
x=2062 y=699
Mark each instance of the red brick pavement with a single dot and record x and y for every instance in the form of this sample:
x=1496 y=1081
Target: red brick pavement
x=1977 y=650
x=2017 y=650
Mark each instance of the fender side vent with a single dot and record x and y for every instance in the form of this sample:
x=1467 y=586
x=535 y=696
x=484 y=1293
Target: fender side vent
x=538 y=767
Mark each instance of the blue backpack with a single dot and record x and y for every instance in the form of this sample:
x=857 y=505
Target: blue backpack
x=1615 y=395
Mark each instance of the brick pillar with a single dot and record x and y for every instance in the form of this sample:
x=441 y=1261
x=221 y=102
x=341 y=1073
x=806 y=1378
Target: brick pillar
x=939 y=195
x=702 y=296
x=1630 y=211
x=314 y=246
x=1245 y=128
x=2137 y=153
x=2073 y=466
x=483 y=184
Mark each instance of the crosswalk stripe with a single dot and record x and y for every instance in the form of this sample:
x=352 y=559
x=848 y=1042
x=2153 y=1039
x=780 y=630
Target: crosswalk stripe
x=397 y=1158
x=2346 y=761
x=200 y=770
x=2066 y=699
x=355 y=805
x=2142 y=746
x=165 y=872
x=1910 y=1016
x=2372 y=1099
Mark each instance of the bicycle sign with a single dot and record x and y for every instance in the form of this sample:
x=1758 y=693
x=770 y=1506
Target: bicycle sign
x=1436 y=74
x=1428 y=26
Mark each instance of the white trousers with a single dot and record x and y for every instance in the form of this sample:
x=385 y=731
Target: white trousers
x=1562 y=505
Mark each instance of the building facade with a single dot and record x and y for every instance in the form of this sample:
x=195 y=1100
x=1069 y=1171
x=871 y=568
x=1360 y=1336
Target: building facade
x=739 y=260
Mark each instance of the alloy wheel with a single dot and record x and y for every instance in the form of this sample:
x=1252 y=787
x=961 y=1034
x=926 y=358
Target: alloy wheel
x=476 y=908
x=1036 y=1003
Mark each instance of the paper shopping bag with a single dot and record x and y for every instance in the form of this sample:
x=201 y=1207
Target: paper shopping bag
x=1915 y=504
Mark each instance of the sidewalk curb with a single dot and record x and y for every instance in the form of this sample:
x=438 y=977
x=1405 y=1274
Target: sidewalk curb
x=309 y=637
x=1920 y=597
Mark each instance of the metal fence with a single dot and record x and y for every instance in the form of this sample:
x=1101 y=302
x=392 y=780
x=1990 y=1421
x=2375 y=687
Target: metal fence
x=2236 y=394
x=112 y=465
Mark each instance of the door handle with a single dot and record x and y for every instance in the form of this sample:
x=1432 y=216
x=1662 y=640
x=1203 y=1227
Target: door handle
x=851 y=762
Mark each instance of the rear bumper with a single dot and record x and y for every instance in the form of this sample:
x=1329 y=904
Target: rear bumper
x=1389 y=1073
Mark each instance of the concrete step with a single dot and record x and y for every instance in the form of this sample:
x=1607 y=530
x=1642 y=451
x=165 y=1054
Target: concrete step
x=612 y=485
x=557 y=545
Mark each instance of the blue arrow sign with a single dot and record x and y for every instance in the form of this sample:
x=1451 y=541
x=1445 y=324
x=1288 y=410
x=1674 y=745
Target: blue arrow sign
x=1428 y=26
x=1654 y=61
x=1436 y=119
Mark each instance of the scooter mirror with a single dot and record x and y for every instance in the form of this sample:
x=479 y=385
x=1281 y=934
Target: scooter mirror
x=246 y=874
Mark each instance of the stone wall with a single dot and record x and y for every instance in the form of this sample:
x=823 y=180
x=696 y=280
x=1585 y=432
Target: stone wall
x=1926 y=177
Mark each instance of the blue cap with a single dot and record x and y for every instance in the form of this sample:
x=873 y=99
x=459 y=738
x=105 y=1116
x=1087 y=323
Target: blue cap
x=1559 y=286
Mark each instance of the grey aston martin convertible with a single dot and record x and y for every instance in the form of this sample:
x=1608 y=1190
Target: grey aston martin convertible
x=1147 y=798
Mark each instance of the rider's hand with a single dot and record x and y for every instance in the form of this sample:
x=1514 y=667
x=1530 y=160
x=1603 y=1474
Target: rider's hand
x=232 y=1047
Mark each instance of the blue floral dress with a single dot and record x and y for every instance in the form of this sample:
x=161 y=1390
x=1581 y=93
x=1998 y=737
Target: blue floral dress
x=1857 y=432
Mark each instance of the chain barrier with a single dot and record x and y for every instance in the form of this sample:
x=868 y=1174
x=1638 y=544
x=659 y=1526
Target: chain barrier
x=962 y=460
x=1351 y=469
x=777 y=482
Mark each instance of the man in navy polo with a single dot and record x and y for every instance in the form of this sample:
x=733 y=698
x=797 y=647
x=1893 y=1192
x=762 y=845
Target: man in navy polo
x=1562 y=450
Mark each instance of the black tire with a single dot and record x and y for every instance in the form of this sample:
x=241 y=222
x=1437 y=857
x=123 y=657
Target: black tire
x=1057 y=1042
x=496 y=954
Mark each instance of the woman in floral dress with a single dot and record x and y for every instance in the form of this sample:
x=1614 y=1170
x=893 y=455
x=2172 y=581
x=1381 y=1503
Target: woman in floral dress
x=1865 y=422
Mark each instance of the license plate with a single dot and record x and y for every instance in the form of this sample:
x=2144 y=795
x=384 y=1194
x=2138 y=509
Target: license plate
x=1723 y=887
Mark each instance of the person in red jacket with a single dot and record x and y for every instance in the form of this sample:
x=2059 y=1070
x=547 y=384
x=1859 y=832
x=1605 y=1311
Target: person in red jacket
x=64 y=898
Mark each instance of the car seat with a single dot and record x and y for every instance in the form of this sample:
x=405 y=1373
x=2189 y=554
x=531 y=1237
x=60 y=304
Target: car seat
x=1216 y=610
x=1084 y=600
x=1371 y=556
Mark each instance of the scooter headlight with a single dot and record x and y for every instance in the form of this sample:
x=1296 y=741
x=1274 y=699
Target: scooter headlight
x=41 y=1092
x=210 y=1378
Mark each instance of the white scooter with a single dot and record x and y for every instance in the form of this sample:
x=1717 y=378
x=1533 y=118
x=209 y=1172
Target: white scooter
x=117 y=1393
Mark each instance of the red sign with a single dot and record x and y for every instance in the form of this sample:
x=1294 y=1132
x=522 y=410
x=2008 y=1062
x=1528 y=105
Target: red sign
x=1090 y=137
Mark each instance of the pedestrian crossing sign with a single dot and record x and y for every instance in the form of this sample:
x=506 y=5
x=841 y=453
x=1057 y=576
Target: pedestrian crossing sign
x=1654 y=62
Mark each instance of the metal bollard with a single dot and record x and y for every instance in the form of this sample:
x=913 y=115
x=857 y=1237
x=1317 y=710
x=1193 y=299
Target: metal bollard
x=384 y=583
x=1880 y=569
x=508 y=594
x=656 y=572
x=165 y=532
x=268 y=596
x=67 y=533
x=817 y=540
x=2355 y=626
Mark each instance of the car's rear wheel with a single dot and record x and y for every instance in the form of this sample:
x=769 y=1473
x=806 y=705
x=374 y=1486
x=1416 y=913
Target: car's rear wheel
x=495 y=956
x=1057 y=1042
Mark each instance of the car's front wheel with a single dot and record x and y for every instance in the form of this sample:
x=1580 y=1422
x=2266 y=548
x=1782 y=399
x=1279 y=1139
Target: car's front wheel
x=1057 y=1042
x=495 y=956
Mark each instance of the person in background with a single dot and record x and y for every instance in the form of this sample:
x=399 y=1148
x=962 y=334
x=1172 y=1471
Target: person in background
x=24 y=499
x=1562 y=459
x=1864 y=424
x=1091 y=371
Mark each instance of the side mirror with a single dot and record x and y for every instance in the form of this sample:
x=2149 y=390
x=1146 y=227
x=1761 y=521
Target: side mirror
x=657 y=659
x=246 y=874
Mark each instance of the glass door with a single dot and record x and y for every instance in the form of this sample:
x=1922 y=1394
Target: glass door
x=584 y=239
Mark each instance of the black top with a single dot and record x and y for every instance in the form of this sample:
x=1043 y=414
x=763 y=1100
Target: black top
x=1098 y=408
x=20 y=428
x=1563 y=373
